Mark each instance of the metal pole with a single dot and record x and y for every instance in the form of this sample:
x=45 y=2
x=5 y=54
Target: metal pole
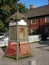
x=17 y=35
x=17 y=44
x=17 y=53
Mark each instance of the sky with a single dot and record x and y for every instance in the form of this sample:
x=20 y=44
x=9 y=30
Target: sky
x=36 y=3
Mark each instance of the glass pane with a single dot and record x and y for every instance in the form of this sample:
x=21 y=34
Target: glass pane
x=47 y=18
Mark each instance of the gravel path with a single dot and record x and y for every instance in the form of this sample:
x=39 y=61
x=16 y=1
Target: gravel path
x=40 y=54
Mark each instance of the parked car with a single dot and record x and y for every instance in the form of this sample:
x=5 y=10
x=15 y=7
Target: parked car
x=3 y=41
x=6 y=34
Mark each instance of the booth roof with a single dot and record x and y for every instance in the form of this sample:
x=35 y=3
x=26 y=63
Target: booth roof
x=18 y=15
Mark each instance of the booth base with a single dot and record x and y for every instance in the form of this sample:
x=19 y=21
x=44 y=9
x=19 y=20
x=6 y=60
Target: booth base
x=23 y=50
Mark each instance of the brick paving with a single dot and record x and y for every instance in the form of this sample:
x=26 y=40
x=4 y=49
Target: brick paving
x=40 y=54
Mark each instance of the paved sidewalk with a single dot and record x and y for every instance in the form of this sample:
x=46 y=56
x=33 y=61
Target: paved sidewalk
x=1 y=53
x=40 y=52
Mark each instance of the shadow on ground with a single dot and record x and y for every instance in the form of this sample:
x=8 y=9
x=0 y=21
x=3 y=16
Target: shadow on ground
x=44 y=42
x=44 y=45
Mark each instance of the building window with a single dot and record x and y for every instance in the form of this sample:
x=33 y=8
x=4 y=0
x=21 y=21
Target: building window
x=33 y=21
x=47 y=19
x=33 y=31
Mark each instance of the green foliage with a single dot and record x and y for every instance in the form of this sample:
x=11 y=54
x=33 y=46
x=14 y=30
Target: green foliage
x=7 y=8
x=1 y=24
x=5 y=11
x=22 y=8
x=0 y=0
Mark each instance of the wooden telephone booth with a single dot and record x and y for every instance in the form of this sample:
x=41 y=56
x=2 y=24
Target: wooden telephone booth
x=18 y=37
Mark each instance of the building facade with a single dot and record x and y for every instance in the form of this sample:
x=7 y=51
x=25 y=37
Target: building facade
x=38 y=20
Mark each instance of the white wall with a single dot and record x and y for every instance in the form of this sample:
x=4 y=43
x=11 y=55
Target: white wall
x=33 y=38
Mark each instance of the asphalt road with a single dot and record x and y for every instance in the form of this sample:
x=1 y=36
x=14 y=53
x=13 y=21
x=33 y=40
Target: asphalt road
x=40 y=54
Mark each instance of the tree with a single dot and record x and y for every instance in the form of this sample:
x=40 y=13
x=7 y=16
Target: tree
x=7 y=8
x=1 y=26
x=22 y=8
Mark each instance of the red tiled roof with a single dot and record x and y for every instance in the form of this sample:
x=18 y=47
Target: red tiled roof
x=39 y=11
